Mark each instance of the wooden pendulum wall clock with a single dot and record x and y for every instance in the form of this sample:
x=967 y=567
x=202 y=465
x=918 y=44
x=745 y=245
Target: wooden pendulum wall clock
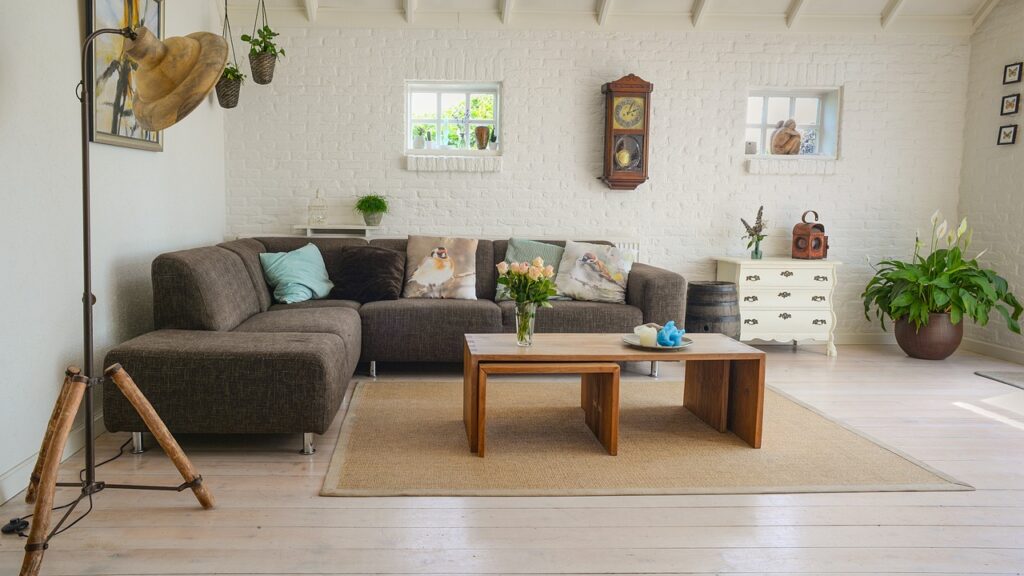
x=626 y=132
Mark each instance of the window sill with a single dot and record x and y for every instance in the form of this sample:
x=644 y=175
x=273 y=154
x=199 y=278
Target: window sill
x=482 y=161
x=792 y=165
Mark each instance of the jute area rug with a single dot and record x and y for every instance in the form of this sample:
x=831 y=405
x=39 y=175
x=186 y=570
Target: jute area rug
x=407 y=438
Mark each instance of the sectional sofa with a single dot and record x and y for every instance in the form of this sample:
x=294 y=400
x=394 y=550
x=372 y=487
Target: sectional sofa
x=224 y=358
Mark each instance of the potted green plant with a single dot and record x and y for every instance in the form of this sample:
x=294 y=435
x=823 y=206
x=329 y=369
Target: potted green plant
x=928 y=297
x=755 y=234
x=229 y=86
x=263 y=54
x=493 y=144
x=418 y=137
x=373 y=207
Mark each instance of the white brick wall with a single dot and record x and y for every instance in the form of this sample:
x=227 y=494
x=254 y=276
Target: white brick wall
x=333 y=118
x=992 y=188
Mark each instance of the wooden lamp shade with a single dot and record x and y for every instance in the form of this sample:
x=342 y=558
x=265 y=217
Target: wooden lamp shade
x=174 y=75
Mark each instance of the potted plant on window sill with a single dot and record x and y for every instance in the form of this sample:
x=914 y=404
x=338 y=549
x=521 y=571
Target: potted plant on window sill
x=418 y=139
x=373 y=207
x=263 y=54
x=928 y=297
x=229 y=86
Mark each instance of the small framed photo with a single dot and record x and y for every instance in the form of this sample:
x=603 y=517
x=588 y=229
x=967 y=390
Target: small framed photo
x=1011 y=74
x=1007 y=135
x=1011 y=105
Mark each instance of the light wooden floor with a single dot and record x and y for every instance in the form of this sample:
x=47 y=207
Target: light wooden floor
x=271 y=521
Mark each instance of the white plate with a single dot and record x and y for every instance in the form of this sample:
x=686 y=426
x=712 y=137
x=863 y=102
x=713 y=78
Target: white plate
x=634 y=341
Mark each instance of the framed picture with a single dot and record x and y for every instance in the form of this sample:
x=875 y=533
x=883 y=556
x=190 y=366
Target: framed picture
x=1007 y=135
x=1011 y=105
x=1011 y=74
x=111 y=72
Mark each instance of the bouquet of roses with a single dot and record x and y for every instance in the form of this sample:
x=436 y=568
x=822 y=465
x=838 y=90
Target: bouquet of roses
x=529 y=284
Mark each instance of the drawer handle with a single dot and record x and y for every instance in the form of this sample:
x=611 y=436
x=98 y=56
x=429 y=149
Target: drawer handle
x=819 y=322
x=753 y=278
x=750 y=298
x=785 y=273
x=785 y=315
x=784 y=294
x=817 y=298
x=750 y=321
x=820 y=278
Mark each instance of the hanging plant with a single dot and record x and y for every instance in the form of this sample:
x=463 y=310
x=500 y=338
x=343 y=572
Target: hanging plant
x=230 y=84
x=263 y=51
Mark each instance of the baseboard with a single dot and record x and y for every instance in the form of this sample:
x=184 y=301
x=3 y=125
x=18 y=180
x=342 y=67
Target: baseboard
x=15 y=480
x=994 y=350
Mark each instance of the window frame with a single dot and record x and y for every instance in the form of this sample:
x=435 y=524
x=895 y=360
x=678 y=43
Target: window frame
x=442 y=124
x=827 y=126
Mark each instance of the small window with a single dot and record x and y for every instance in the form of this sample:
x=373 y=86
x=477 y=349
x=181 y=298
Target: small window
x=815 y=112
x=443 y=117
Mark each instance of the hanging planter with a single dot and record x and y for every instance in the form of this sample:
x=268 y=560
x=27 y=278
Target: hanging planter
x=230 y=84
x=263 y=51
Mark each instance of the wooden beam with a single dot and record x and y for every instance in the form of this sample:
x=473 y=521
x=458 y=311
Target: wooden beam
x=891 y=10
x=982 y=13
x=793 y=11
x=698 y=11
x=311 y=8
x=506 y=11
x=409 y=7
x=603 y=10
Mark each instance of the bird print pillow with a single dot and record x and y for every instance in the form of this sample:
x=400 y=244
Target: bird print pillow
x=437 y=267
x=593 y=272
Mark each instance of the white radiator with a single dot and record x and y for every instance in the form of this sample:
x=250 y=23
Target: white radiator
x=630 y=247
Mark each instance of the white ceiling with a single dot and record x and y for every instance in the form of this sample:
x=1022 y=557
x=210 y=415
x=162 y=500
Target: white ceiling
x=870 y=16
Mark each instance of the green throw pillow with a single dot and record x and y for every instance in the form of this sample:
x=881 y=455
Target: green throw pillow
x=522 y=250
x=298 y=275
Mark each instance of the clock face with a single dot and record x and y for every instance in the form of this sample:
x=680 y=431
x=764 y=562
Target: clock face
x=628 y=113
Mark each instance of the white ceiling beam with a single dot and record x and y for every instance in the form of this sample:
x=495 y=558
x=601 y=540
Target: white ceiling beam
x=793 y=12
x=982 y=13
x=698 y=11
x=311 y=8
x=409 y=7
x=506 y=11
x=603 y=10
x=891 y=10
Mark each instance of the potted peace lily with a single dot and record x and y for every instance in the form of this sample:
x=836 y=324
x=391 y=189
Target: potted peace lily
x=373 y=207
x=928 y=297
x=263 y=54
x=529 y=285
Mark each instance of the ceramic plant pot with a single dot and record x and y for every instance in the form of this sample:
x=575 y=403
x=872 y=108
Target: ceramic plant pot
x=936 y=340
x=372 y=218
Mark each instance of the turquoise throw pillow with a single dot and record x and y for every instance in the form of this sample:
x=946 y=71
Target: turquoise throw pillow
x=298 y=275
x=522 y=250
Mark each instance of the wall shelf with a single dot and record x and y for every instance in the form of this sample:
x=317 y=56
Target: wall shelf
x=349 y=230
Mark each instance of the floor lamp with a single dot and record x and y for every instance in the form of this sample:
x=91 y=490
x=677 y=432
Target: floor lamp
x=173 y=77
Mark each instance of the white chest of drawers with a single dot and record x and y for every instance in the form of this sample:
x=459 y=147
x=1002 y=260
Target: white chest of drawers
x=784 y=299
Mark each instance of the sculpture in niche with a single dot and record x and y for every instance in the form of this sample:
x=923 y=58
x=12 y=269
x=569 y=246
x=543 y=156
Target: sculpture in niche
x=786 y=139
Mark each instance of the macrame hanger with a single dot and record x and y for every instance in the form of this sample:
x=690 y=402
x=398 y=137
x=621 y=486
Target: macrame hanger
x=261 y=10
x=227 y=34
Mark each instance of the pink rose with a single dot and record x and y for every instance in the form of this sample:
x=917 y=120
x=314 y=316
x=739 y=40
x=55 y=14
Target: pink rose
x=502 y=268
x=549 y=271
x=538 y=262
x=534 y=273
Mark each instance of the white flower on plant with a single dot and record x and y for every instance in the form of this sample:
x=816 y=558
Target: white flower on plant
x=942 y=229
x=962 y=228
x=935 y=217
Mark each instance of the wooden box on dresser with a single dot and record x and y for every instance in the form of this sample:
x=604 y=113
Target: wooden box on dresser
x=784 y=299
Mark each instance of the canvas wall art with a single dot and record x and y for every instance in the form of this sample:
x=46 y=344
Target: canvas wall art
x=111 y=72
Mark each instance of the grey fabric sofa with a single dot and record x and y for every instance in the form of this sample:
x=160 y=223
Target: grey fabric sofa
x=224 y=358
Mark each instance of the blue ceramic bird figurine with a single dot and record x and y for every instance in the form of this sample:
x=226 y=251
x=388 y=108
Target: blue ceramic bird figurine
x=669 y=335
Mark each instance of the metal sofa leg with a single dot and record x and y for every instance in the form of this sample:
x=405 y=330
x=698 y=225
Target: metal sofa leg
x=654 y=369
x=307 y=444
x=137 y=446
x=373 y=368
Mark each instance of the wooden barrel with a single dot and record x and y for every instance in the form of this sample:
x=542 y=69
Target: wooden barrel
x=713 y=306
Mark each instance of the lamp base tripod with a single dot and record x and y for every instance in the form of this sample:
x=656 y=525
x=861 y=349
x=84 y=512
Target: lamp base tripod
x=43 y=482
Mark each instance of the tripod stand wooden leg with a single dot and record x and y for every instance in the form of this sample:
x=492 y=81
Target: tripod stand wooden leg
x=127 y=386
x=58 y=407
x=70 y=398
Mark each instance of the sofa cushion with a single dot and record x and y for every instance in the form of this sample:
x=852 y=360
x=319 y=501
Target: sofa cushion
x=298 y=275
x=318 y=304
x=340 y=321
x=424 y=330
x=330 y=248
x=574 y=316
x=440 y=267
x=522 y=250
x=368 y=274
x=486 y=275
x=202 y=289
x=593 y=272
x=249 y=250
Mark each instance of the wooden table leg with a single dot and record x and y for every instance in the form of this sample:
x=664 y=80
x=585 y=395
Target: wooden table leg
x=601 y=394
x=470 y=401
x=746 y=399
x=481 y=413
x=706 y=392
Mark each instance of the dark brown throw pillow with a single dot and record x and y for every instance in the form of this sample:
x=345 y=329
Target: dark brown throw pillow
x=368 y=274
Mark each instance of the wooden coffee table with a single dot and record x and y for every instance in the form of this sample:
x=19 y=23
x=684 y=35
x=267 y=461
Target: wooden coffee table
x=724 y=382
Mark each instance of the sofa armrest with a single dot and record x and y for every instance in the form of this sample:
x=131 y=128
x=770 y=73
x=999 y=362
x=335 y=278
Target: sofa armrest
x=659 y=293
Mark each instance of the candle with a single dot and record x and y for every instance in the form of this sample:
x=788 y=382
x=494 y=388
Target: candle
x=648 y=335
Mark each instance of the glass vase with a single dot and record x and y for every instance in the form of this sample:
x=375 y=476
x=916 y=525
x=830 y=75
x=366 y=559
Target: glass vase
x=526 y=313
x=756 y=254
